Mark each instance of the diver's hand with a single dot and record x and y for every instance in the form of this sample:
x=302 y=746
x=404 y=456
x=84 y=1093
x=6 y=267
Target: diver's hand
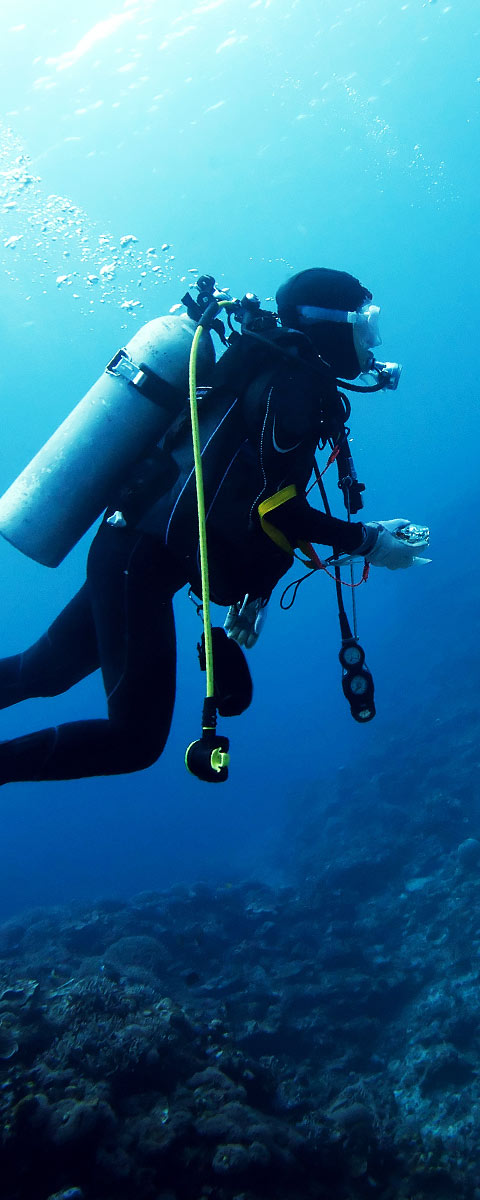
x=382 y=549
x=244 y=621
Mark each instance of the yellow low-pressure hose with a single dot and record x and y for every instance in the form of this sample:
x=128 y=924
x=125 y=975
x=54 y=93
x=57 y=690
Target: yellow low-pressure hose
x=201 y=504
x=202 y=531
x=208 y=757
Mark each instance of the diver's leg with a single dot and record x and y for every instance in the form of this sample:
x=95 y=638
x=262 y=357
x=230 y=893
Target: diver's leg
x=66 y=653
x=131 y=580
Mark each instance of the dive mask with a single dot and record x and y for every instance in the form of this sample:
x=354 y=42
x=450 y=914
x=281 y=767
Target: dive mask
x=366 y=333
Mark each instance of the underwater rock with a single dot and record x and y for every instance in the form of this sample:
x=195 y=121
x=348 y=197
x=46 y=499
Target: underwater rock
x=140 y=951
x=8 y=1043
x=69 y=1193
x=445 y=1068
x=231 y=1158
x=245 y=1042
x=468 y=853
x=11 y=934
x=74 y=1122
x=232 y=1120
x=31 y=1115
x=86 y=937
x=351 y=1116
x=213 y=1088
x=18 y=997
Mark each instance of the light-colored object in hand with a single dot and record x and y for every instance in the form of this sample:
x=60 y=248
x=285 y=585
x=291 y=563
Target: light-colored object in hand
x=390 y=549
x=245 y=620
x=392 y=544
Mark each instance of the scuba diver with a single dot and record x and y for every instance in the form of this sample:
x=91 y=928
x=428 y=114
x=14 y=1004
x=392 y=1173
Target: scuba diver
x=270 y=400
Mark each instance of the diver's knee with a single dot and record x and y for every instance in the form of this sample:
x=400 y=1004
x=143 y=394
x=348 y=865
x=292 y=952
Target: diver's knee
x=140 y=753
x=39 y=672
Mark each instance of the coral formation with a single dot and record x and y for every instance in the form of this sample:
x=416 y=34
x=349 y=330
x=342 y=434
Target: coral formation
x=315 y=1040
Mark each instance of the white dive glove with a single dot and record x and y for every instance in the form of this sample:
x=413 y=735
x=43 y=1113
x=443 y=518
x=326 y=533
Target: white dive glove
x=244 y=621
x=382 y=548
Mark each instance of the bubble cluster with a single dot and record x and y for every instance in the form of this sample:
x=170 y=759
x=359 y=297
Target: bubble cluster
x=389 y=150
x=64 y=249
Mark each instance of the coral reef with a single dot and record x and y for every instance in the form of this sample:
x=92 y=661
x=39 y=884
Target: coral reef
x=313 y=1041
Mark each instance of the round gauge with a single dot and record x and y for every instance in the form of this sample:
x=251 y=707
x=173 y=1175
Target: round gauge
x=351 y=655
x=358 y=684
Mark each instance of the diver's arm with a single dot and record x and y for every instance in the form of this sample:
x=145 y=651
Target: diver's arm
x=379 y=542
x=299 y=522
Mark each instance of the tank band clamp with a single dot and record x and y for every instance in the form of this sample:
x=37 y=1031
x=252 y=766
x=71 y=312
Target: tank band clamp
x=146 y=381
x=122 y=364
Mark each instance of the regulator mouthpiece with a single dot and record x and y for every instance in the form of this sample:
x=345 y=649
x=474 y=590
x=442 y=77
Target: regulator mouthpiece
x=388 y=374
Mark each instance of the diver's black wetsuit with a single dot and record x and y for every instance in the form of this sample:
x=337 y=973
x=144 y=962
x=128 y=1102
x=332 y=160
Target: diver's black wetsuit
x=122 y=618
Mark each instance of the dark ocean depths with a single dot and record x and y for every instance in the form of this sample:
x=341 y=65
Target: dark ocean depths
x=139 y=149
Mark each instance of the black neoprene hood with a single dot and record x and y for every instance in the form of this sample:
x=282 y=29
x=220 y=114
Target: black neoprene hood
x=323 y=288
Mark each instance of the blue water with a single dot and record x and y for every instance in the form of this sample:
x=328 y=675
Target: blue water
x=250 y=141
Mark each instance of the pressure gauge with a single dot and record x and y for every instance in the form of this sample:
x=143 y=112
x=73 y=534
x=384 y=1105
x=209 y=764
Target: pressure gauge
x=351 y=655
x=358 y=684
